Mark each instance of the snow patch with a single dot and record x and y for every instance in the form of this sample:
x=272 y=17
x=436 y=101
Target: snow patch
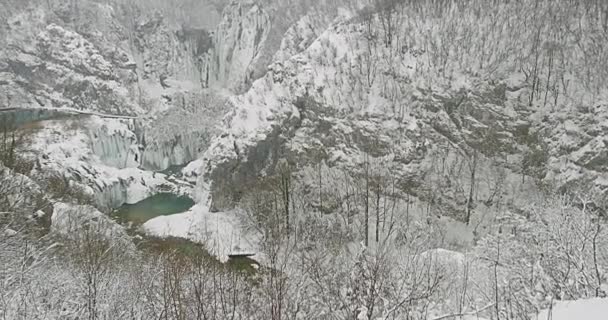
x=589 y=309
x=220 y=232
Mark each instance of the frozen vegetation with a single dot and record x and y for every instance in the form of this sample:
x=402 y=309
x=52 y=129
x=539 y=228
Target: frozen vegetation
x=347 y=159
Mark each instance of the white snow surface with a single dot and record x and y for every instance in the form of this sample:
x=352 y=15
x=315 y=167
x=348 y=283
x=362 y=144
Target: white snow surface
x=586 y=309
x=221 y=232
x=68 y=218
x=444 y=256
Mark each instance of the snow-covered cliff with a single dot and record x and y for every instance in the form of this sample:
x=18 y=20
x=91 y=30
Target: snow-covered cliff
x=237 y=43
x=351 y=94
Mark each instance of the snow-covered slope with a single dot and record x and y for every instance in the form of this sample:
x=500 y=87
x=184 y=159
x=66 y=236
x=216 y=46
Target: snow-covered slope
x=590 y=309
x=316 y=85
x=322 y=101
x=349 y=94
x=221 y=232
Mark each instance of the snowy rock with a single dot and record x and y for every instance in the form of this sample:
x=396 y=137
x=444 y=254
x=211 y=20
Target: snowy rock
x=162 y=52
x=71 y=50
x=10 y=232
x=594 y=155
x=182 y=149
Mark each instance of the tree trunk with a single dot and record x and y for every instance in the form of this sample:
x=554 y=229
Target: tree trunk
x=473 y=168
x=378 y=213
x=366 y=202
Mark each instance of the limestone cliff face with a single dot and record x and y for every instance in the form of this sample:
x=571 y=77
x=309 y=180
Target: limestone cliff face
x=237 y=45
x=163 y=53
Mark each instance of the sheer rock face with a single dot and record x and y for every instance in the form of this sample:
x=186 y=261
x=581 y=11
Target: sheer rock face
x=578 y=139
x=165 y=53
x=237 y=46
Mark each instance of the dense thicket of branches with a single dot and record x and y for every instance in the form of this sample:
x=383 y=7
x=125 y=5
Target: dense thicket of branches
x=343 y=245
x=561 y=46
x=555 y=249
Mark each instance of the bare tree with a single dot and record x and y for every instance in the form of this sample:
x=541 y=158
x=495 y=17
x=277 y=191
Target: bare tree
x=388 y=14
x=94 y=255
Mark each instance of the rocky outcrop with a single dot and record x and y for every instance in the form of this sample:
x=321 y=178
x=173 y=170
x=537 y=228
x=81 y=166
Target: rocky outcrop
x=303 y=33
x=594 y=155
x=181 y=134
x=163 y=53
x=577 y=138
x=55 y=67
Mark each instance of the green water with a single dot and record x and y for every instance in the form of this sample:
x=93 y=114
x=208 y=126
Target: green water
x=162 y=204
x=165 y=204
